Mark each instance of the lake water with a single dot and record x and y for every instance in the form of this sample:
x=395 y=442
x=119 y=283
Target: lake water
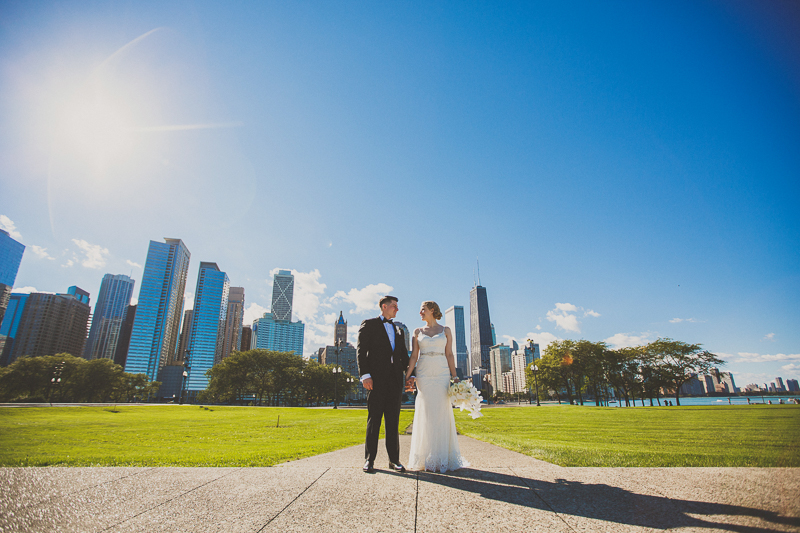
x=735 y=400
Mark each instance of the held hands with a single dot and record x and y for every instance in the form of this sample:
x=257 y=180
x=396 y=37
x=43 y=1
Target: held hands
x=410 y=381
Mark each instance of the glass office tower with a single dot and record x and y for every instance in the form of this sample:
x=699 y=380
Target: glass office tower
x=10 y=257
x=208 y=324
x=154 y=337
x=109 y=315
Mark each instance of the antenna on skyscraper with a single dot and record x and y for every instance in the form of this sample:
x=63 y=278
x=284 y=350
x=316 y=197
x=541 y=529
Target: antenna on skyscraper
x=479 y=270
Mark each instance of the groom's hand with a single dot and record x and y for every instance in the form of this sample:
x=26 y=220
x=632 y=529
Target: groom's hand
x=367 y=383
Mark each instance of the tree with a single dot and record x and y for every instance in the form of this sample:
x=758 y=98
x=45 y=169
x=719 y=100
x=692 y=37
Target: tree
x=679 y=360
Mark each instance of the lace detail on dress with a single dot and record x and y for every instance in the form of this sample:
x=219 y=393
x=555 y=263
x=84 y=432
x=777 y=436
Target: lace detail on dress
x=434 y=441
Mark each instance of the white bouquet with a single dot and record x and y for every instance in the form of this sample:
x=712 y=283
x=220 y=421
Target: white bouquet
x=464 y=396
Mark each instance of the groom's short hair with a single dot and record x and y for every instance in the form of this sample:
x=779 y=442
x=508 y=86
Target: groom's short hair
x=387 y=299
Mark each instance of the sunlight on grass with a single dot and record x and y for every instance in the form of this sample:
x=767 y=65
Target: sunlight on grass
x=686 y=436
x=175 y=435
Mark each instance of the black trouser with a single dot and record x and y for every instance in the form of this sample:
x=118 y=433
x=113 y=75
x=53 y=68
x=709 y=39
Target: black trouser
x=383 y=401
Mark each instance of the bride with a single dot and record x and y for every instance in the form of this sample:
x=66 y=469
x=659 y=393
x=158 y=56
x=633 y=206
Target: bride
x=434 y=445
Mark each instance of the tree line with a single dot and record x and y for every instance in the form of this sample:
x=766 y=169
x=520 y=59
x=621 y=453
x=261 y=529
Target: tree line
x=265 y=377
x=66 y=378
x=577 y=369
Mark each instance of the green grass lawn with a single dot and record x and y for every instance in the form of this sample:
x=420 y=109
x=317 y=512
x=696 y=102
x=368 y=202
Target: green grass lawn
x=746 y=435
x=757 y=435
x=175 y=435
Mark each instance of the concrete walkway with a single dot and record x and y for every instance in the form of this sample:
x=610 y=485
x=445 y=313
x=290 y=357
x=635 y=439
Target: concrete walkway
x=501 y=491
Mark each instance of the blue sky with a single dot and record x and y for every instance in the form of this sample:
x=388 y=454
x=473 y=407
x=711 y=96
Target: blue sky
x=623 y=171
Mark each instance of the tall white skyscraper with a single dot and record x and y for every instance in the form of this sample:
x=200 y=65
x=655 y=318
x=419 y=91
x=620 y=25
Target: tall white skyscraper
x=454 y=319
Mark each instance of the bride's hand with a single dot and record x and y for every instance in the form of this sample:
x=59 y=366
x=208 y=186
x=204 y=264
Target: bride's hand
x=455 y=379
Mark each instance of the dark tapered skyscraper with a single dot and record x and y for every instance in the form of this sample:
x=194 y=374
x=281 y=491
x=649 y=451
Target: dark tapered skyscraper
x=480 y=327
x=109 y=315
x=154 y=339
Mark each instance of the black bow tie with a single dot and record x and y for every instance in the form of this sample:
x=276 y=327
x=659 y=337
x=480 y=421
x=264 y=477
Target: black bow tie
x=387 y=320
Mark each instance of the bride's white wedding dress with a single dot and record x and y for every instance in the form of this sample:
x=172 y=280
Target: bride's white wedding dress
x=434 y=445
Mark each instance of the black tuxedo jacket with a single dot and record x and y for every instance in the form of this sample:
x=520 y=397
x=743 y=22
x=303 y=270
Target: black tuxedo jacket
x=375 y=353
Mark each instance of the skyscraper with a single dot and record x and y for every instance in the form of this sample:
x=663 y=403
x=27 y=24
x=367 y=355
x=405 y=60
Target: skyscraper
x=186 y=333
x=109 y=314
x=51 y=324
x=454 y=319
x=154 y=337
x=344 y=354
x=480 y=327
x=500 y=363
x=282 y=295
x=208 y=324
x=9 y=325
x=124 y=341
x=275 y=330
x=247 y=336
x=10 y=257
x=278 y=335
x=233 y=321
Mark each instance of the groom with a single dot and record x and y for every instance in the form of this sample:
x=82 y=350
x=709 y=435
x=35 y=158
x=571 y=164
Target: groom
x=382 y=362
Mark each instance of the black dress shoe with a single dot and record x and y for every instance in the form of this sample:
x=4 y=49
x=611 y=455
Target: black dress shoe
x=369 y=468
x=397 y=467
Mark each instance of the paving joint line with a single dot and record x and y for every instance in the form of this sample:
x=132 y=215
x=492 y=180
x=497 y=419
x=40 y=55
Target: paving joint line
x=171 y=499
x=78 y=491
x=416 y=505
x=294 y=500
x=542 y=499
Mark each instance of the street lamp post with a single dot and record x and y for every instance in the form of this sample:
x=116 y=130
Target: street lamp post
x=56 y=379
x=186 y=368
x=535 y=369
x=336 y=371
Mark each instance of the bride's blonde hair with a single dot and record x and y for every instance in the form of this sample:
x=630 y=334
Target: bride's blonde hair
x=434 y=308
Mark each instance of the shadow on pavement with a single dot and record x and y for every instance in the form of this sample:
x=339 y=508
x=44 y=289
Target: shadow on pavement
x=602 y=502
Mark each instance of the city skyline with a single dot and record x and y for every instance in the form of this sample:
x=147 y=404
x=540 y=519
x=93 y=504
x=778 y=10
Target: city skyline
x=624 y=172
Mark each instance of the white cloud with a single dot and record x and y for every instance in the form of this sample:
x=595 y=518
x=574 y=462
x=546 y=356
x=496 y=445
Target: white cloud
x=626 y=340
x=769 y=337
x=252 y=312
x=538 y=328
x=8 y=225
x=188 y=300
x=366 y=299
x=307 y=289
x=791 y=367
x=749 y=357
x=24 y=290
x=679 y=320
x=131 y=263
x=591 y=313
x=563 y=318
x=134 y=300
x=95 y=254
x=41 y=253
x=69 y=263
